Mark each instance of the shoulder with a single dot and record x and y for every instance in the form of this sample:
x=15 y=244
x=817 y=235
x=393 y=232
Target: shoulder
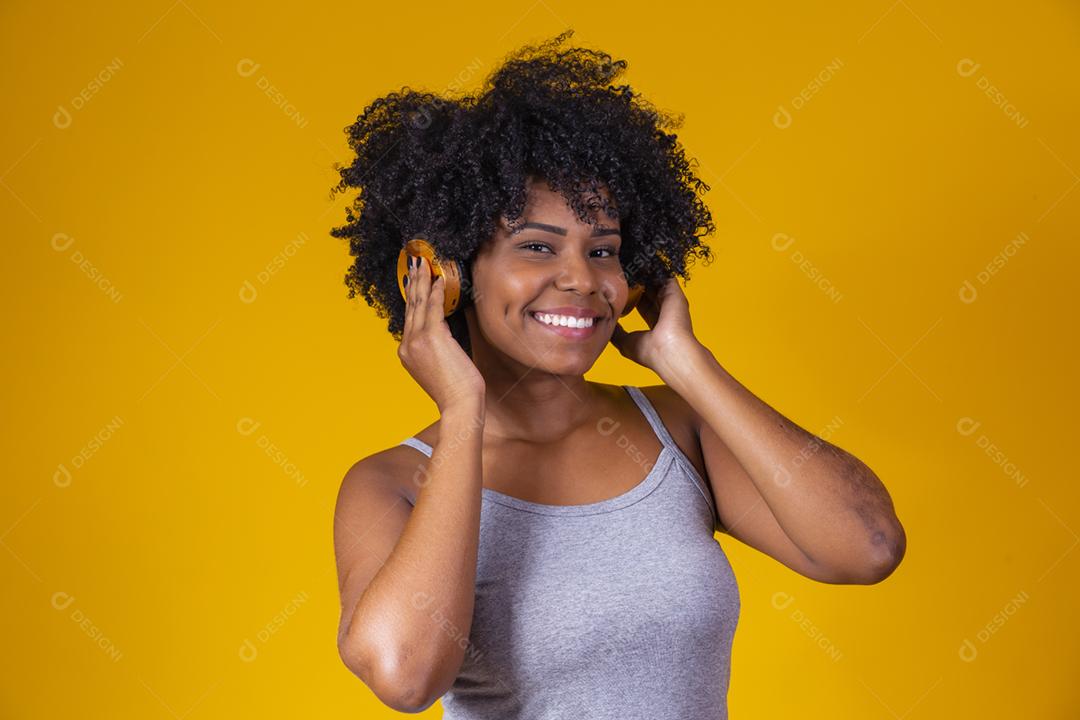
x=676 y=413
x=673 y=409
x=378 y=472
x=681 y=420
x=393 y=468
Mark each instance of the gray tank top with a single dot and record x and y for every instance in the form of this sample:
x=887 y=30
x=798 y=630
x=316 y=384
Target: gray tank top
x=617 y=609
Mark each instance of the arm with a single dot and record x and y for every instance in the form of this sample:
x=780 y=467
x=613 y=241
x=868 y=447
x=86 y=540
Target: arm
x=407 y=576
x=804 y=501
x=786 y=492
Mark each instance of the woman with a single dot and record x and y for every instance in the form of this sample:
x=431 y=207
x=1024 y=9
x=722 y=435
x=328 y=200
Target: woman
x=546 y=548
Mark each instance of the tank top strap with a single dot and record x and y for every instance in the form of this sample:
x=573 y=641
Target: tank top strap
x=652 y=416
x=418 y=444
x=669 y=442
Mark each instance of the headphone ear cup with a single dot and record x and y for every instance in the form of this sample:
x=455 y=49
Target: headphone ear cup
x=452 y=289
x=403 y=273
x=451 y=271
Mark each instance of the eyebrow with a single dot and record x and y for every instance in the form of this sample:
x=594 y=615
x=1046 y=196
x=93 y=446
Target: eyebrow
x=562 y=231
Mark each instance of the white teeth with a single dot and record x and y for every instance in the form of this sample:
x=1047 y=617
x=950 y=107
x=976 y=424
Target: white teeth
x=564 y=320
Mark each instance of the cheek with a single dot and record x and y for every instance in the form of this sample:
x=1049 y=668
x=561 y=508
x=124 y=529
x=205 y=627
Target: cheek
x=615 y=290
x=501 y=299
x=509 y=293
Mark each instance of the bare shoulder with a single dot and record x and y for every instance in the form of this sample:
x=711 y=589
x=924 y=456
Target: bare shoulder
x=671 y=405
x=394 y=468
x=377 y=468
x=370 y=515
x=681 y=420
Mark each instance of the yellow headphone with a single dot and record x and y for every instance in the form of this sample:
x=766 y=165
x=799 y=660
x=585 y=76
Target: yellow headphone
x=418 y=247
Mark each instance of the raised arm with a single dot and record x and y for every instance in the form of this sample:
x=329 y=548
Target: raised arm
x=804 y=501
x=408 y=575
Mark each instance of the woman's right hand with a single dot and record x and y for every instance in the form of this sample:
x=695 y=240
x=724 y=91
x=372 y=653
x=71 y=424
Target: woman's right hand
x=428 y=350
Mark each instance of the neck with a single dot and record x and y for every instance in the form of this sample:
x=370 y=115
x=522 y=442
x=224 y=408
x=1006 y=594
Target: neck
x=524 y=402
x=536 y=406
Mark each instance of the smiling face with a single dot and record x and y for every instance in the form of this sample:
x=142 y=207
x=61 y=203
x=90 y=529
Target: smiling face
x=548 y=294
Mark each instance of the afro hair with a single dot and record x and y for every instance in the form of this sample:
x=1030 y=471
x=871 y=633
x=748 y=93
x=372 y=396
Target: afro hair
x=446 y=168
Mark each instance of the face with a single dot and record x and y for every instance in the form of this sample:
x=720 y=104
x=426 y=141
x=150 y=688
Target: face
x=549 y=294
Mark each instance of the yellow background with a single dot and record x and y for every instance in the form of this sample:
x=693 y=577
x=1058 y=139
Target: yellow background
x=175 y=441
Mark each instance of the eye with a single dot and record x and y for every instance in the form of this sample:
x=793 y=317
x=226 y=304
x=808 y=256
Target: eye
x=610 y=250
x=535 y=244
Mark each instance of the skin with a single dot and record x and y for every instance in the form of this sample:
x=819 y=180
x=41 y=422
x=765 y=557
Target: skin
x=518 y=417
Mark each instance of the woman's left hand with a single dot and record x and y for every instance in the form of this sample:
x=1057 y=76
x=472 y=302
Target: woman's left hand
x=667 y=312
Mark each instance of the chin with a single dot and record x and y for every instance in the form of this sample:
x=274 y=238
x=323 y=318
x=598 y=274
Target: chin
x=555 y=362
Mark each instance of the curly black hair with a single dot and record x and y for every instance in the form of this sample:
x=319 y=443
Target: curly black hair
x=447 y=167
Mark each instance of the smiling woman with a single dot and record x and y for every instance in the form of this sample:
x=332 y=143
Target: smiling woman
x=550 y=550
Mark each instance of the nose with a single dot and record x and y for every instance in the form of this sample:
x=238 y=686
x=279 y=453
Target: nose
x=576 y=274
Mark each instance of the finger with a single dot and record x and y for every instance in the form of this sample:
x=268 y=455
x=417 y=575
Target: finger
x=436 y=311
x=410 y=294
x=623 y=341
x=422 y=278
x=407 y=281
x=618 y=336
x=649 y=308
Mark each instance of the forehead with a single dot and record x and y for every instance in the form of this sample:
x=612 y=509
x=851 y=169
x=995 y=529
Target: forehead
x=544 y=203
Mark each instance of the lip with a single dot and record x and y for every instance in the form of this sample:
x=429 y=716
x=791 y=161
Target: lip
x=568 y=332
